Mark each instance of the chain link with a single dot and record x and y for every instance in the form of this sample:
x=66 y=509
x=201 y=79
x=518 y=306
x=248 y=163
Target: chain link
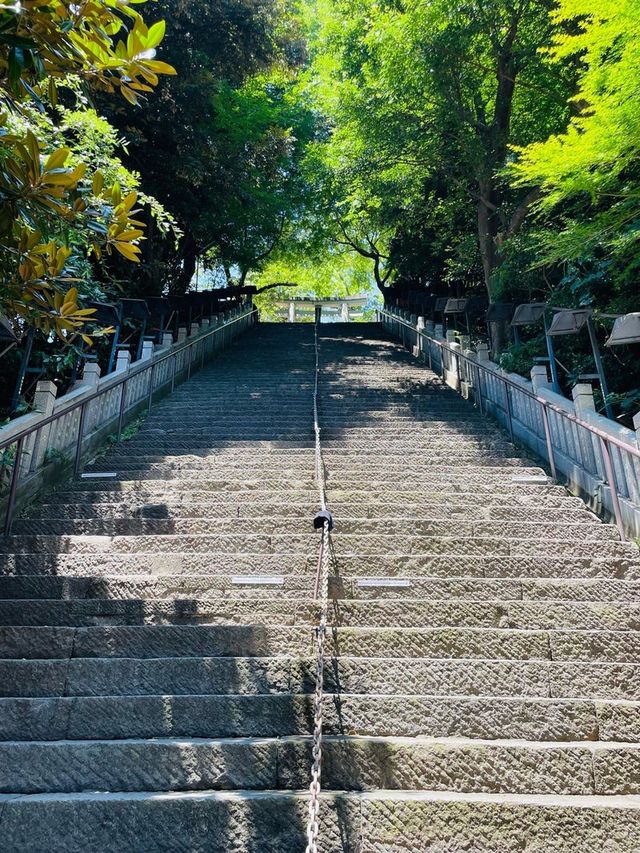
x=322 y=597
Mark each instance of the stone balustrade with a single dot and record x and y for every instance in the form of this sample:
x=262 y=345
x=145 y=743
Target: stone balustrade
x=516 y=405
x=49 y=452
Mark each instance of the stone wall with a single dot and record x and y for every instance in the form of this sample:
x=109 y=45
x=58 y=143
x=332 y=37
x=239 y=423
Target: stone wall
x=518 y=407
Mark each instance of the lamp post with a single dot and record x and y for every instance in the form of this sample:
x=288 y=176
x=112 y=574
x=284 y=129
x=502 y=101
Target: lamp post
x=527 y=315
x=568 y=321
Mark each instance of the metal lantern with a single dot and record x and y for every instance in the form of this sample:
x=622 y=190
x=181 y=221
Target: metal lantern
x=528 y=314
x=456 y=306
x=570 y=322
x=626 y=330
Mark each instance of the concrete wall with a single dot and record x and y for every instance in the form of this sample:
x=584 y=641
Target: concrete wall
x=49 y=452
x=577 y=451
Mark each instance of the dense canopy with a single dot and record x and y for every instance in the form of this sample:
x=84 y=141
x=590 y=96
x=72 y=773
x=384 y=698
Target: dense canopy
x=487 y=147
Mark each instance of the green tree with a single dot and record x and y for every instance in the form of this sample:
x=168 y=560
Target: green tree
x=431 y=96
x=46 y=195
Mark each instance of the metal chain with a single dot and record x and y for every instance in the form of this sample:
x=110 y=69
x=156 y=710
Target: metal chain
x=322 y=597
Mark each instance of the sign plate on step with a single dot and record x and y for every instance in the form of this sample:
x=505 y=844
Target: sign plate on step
x=257 y=580
x=532 y=479
x=387 y=582
x=102 y=475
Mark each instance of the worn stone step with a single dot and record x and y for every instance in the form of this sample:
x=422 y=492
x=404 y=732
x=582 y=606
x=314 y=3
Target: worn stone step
x=349 y=763
x=469 y=467
x=214 y=510
x=306 y=544
x=275 y=822
x=418 y=456
x=280 y=714
x=351 y=487
x=293 y=586
x=541 y=496
x=148 y=641
x=257 y=522
x=401 y=613
x=97 y=676
x=381 y=565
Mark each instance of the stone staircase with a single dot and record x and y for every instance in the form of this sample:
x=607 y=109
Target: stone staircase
x=157 y=629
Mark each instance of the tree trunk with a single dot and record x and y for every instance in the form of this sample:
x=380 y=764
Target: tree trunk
x=189 y=257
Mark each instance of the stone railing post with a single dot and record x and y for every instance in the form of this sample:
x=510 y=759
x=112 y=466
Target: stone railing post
x=182 y=334
x=147 y=350
x=43 y=402
x=123 y=361
x=167 y=340
x=583 y=398
x=636 y=426
x=482 y=353
x=539 y=377
x=419 y=342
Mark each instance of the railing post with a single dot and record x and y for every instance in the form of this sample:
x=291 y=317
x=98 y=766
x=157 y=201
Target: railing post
x=507 y=390
x=15 y=476
x=123 y=396
x=150 y=399
x=613 y=486
x=78 y=459
x=173 y=371
x=547 y=435
x=478 y=384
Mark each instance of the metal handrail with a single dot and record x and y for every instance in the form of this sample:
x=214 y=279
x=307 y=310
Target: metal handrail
x=605 y=439
x=18 y=439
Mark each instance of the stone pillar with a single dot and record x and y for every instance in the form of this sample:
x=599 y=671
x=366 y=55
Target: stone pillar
x=451 y=337
x=204 y=325
x=43 y=402
x=91 y=374
x=636 y=426
x=147 y=350
x=430 y=328
x=195 y=329
x=182 y=334
x=167 y=340
x=539 y=377
x=482 y=353
x=583 y=398
x=292 y=312
x=124 y=360
x=344 y=312
x=438 y=331
x=417 y=350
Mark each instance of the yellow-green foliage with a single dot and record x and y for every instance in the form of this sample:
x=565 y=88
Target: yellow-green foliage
x=595 y=159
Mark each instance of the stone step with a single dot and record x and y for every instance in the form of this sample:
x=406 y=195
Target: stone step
x=96 y=676
x=349 y=763
x=116 y=492
x=253 y=523
x=176 y=507
x=306 y=544
x=468 y=466
x=400 y=613
x=150 y=641
x=275 y=822
x=525 y=566
x=298 y=586
x=280 y=714
x=417 y=452
x=351 y=488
